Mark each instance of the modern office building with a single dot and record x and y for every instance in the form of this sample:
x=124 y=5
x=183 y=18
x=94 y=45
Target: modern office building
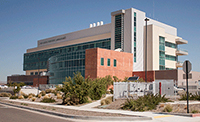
x=65 y=54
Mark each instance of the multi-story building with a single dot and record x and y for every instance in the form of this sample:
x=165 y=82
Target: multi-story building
x=65 y=54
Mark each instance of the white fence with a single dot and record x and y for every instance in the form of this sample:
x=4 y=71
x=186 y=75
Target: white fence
x=135 y=89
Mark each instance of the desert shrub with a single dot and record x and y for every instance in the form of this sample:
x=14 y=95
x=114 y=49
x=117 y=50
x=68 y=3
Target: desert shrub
x=24 y=104
x=4 y=94
x=190 y=97
x=48 y=91
x=103 y=102
x=168 y=108
x=39 y=95
x=13 y=97
x=108 y=100
x=77 y=90
x=43 y=93
x=25 y=95
x=195 y=111
x=107 y=92
x=55 y=92
x=21 y=97
x=59 y=96
x=111 y=91
x=46 y=96
x=147 y=102
x=49 y=95
x=33 y=99
x=16 y=90
x=48 y=100
x=30 y=96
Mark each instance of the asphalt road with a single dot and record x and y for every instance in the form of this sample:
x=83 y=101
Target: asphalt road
x=11 y=114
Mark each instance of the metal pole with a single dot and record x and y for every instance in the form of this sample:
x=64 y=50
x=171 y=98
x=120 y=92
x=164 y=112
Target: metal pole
x=187 y=86
x=38 y=73
x=146 y=52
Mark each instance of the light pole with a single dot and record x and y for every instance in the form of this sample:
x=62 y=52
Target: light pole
x=38 y=72
x=146 y=19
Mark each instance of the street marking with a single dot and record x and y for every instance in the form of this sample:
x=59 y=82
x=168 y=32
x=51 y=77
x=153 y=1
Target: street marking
x=162 y=116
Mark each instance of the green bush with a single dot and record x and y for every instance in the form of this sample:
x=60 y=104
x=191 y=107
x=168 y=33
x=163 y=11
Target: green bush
x=48 y=100
x=168 y=108
x=4 y=94
x=77 y=90
x=111 y=90
x=14 y=97
x=147 y=102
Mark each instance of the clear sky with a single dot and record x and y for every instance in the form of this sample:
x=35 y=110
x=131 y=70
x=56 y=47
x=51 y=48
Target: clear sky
x=23 y=22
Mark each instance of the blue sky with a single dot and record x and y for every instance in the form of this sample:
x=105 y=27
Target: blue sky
x=23 y=22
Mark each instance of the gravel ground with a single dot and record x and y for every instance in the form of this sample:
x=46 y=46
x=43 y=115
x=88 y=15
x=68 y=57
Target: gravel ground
x=176 y=108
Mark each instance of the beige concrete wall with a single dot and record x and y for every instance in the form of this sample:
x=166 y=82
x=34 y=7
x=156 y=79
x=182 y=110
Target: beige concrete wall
x=170 y=64
x=193 y=81
x=157 y=31
x=98 y=30
x=170 y=51
x=61 y=44
x=128 y=30
x=153 y=33
x=28 y=72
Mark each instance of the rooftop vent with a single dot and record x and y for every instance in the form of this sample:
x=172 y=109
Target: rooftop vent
x=96 y=24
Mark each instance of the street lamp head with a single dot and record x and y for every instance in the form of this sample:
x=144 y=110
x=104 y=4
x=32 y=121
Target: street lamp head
x=146 y=19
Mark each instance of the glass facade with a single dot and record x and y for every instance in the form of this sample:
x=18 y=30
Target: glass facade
x=170 y=57
x=63 y=61
x=135 y=37
x=119 y=31
x=172 y=45
x=161 y=53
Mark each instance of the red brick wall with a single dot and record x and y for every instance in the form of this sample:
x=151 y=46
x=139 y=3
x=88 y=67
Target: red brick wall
x=94 y=69
x=42 y=80
x=141 y=74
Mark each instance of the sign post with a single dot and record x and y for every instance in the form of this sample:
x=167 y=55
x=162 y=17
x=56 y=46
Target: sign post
x=187 y=66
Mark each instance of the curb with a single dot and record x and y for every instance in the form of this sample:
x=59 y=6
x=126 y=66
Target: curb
x=181 y=114
x=106 y=118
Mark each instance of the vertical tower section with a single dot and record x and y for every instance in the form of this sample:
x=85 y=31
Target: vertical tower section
x=161 y=53
x=117 y=31
x=135 y=50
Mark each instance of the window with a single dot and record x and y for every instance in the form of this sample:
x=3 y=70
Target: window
x=31 y=73
x=36 y=73
x=172 y=45
x=108 y=62
x=115 y=63
x=102 y=61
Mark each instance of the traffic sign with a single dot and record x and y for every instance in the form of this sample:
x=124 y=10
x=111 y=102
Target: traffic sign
x=189 y=66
